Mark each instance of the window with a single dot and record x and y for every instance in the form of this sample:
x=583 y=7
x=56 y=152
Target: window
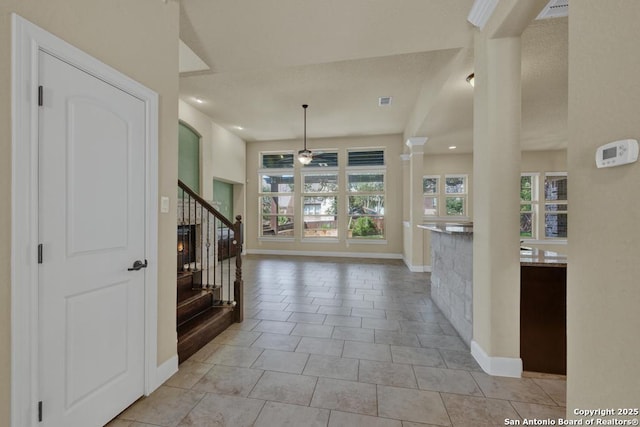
x=555 y=205
x=430 y=191
x=320 y=205
x=455 y=189
x=365 y=194
x=324 y=159
x=276 y=204
x=528 y=205
x=276 y=160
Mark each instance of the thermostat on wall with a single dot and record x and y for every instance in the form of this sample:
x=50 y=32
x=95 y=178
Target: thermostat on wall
x=617 y=153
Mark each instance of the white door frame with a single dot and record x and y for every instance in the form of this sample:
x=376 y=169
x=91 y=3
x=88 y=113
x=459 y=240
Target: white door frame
x=27 y=41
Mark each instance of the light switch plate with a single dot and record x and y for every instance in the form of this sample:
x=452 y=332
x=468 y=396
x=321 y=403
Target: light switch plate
x=164 y=204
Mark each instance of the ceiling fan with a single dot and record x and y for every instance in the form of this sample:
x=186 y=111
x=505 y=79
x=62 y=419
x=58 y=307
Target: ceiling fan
x=305 y=156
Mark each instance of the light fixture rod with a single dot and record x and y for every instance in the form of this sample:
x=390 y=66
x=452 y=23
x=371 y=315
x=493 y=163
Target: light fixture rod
x=305 y=125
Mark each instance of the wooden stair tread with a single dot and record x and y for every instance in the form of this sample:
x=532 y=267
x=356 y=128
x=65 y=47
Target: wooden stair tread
x=198 y=331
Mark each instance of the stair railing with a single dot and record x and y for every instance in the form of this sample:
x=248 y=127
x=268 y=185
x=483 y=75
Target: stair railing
x=207 y=242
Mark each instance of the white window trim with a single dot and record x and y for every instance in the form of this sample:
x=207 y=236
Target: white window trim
x=465 y=195
x=544 y=203
x=261 y=172
x=361 y=170
x=535 y=206
x=303 y=194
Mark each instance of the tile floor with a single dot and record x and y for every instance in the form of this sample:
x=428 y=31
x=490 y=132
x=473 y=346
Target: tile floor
x=339 y=342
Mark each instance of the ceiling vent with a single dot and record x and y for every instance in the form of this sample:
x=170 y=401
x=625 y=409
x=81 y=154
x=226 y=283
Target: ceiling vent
x=555 y=9
x=383 y=101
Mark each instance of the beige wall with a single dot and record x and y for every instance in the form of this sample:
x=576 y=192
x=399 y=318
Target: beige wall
x=140 y=39
x=393 y=146
x=603 y=294
x=222 y=154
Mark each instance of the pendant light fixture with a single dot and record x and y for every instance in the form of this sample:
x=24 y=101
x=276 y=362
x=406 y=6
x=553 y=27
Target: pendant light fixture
x=305 y=156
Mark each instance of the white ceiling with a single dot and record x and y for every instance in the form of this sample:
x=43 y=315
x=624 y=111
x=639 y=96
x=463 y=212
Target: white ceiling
x=269 y=57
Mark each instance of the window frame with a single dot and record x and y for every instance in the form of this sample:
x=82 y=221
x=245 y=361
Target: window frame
x=435 y=196
x=314 y=171
x=261 y=194
x=548 y=202
x=464 y=195
x=362 y=170
x=535 y=205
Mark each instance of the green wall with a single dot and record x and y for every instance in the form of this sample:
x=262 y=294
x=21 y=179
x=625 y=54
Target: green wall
x=189 y=157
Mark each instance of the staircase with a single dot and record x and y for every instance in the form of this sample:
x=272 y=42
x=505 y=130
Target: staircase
x=209 y=250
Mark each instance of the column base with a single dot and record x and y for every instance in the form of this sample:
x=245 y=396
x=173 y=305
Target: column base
x=497 y=366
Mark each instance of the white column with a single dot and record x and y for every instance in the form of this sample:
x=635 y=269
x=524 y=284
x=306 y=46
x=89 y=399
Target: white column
x=416 y=171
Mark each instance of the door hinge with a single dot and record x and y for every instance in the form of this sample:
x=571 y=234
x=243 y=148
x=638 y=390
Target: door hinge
x=40 y=411
x=40 y=253
x=40 y=96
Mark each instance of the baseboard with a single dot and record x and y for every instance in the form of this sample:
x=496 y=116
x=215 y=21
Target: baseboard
x=416 y=268
x=166 y=370
x=498 y=366
x=325 y=254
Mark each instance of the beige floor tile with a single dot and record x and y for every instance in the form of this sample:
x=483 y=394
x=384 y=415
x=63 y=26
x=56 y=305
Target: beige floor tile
x=332 y=367
x=338 y=311
x=223 y=411
x=236 y=337
x=303 y=308
x=446 y=380
x=123 y=423
x=345 y=396
x=411 y=424
x=518 y=389
x=347 y=419
x=386 y=373
x=555 y=388
x=446 y=342
x=205 y=352
x=189 y=373
x=533 y=410
x=333 y=320
x=396 y=338
x=164 y=407
x=417 y=327
x=381 y=324
x=280 y=414
x=231 y=355
x=276 y=342
x=460 y=360
x=417 y=356
x=246 y=325
x=367 y=312
x=287 y=388
x=314 y=318
x=468 y=411
x=326 y=346
x=353 y=334
x=412 y=405
x=313 y=331
x=272 y=315
x=229 y=380
x=367 y=351
x=281 y=361
x=274 y=327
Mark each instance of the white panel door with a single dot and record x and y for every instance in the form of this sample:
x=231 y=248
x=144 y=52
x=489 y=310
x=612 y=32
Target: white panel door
x=91 y=227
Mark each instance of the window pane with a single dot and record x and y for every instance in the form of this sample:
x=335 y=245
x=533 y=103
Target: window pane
x=525 y=208
x=323 y=160
x=366 y=182
x=277 y=225
x=366 y=158
x=555 y=188
x=326 y=183
x=366 y=227
x=366 y=205
x=277 y=183
x=430 y=185
x=455 y=206
x=555 y=225
x=320 y=216
x=526 y=187
x=555 y=207
x=526 y=225
x=277 y=161
x=430 y=206
x=455 y=185
x=282 y=205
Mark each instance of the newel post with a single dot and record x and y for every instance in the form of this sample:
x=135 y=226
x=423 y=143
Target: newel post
x=238 y=284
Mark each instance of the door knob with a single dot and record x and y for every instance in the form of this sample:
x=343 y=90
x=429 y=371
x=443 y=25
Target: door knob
x=138 y=265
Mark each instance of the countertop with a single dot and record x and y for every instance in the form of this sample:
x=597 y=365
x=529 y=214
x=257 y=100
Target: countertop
x=538 y=258
x=459 y=228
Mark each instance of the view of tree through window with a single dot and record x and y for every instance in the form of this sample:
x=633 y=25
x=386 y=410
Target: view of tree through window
x=320 y=205
x=555 y=209
x=528 y=207
x=366 y=204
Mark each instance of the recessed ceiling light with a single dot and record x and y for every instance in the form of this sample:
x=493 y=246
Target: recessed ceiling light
x=452 y=147
x=199 y=100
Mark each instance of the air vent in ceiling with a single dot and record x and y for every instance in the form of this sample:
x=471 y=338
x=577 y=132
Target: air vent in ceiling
x=555 y=9
x=383 y=101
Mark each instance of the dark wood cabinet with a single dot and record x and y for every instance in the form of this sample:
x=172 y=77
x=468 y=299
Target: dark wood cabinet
x=543 y=319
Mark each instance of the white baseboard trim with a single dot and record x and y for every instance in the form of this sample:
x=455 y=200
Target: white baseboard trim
x=166 y=370
x=325 y=254
x=498 y=366
x=416 y=268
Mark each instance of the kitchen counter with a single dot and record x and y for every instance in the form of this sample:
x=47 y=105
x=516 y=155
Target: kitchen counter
x=462 y=228
x=539 y=258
